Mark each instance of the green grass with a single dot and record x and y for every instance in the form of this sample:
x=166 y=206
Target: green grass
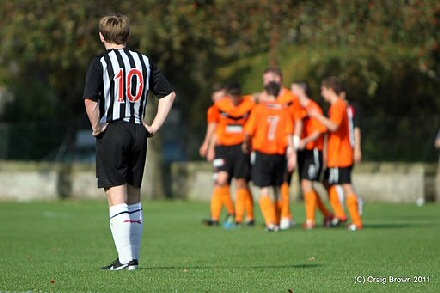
x=59 y=247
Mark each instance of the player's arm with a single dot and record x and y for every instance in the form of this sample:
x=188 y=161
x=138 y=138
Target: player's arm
x=246 y=146
x=325 y=151
x=249 y=130
x=163 y=109
x=357 y=145
x=329 y=124
x=291 y=154
x=94 y=84
x=207 y=140
x=437 y=140
x=297 y=134
x=92 y=110
x=312 y=137
x=210 y=156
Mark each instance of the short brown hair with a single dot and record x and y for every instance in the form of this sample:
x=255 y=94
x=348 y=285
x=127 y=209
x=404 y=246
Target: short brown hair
x=274 y=70
x=333 y=83
x=115 y=28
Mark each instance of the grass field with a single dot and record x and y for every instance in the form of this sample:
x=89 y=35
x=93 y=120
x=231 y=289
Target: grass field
x=60 y=246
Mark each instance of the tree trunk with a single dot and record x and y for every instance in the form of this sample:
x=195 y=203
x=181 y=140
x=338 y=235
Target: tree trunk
x=152 y=183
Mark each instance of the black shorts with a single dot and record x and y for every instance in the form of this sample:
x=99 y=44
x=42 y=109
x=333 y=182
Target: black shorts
x=233 y=160
x=310 y=164
x=121 y=152
x=269 y=170
x=338 y=175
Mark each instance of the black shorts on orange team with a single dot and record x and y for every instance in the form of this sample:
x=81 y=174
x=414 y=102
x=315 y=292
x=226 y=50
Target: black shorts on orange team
x=268 y=169
x=310 y=164
x=111 y=164
x=232 y=160
x=338 y=175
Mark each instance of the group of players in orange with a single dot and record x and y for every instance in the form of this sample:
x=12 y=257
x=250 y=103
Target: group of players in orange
x=264 y=137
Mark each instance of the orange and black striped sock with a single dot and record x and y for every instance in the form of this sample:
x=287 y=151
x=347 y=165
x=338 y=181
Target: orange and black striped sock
x=336 y=204
x=353 y=208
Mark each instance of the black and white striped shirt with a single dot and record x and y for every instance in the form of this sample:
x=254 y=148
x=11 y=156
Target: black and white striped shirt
x=119 y=80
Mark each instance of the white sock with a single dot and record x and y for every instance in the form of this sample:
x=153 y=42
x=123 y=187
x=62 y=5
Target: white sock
x=120 y=228
x=136 y=228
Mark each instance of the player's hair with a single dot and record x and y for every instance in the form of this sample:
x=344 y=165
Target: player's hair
x=273 y=88
x=115 y=28
x=305 y=87
x=216 y=87
x=274 y=70
x=333 y=83
x=233 y=89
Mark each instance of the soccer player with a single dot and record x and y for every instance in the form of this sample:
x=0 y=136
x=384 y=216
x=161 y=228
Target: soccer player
x=339 y=153
x=310 y=156
x=218 y=93
x=230 y=115
x=336 y=192
x=290 y=100
x=115 y=96
x=269 y=133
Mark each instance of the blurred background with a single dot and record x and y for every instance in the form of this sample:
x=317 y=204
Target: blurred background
x=387 y=52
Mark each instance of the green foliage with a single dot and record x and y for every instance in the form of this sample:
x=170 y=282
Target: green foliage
x=387 y=51
x=60 y=246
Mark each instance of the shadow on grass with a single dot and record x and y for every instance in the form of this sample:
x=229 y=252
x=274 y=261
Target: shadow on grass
x=398 y=225
x=285 y=266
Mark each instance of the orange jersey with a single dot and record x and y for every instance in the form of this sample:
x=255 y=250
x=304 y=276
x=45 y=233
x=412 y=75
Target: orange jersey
x=230 y=120
x=340 y=152
x=286 y=97
x=312 y=125
x=270 y=124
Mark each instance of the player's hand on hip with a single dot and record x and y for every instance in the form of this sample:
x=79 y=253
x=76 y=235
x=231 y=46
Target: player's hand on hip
x=151 y=131
x=100 y=128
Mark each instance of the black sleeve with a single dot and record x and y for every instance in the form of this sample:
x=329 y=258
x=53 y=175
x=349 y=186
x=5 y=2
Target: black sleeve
x=94 y=81
x=357 y=116
x=159 y=85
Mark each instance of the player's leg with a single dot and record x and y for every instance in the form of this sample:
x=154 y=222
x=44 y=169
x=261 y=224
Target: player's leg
x=119 y=226
x=137 y=159
x=112 y=173
x=249 y=207
x=310 y=198
x=331 y=178
x=241 y=173
x=223 y=182
x=267 y=206
x=286 y=220
x=262 y=177
x=240 y=199
x=136 y=222
x=277 y=178
x=221 y=193
x=310 y=173
x=352 y=200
